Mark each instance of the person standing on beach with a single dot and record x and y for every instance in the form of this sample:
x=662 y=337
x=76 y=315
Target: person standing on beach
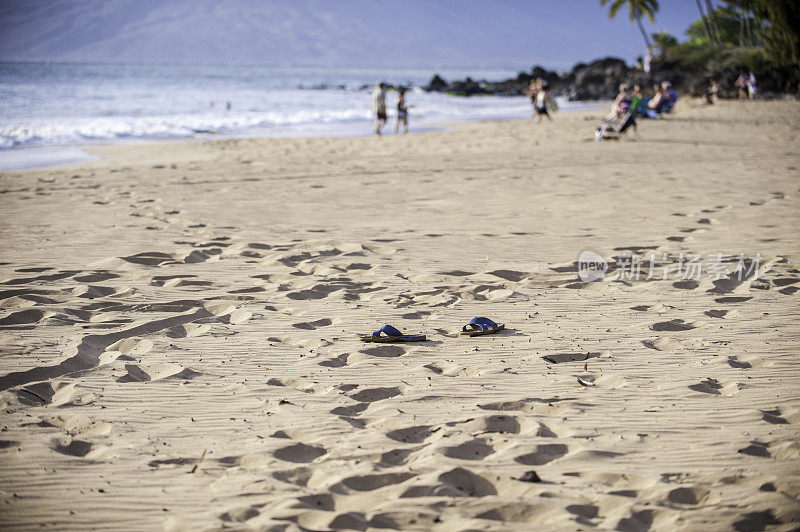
x=533 y=91
x=542 y=101
x=752 y=91
x=741 y=85
x=402 y=111
x=379 y=106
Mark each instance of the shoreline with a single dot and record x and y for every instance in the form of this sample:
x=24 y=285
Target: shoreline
x=24 y=157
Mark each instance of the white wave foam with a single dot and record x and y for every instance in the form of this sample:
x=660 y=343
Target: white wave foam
x=68 y=131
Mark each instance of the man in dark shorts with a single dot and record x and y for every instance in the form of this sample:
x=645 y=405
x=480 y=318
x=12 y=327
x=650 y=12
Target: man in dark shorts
x=542 y=100
x=379 y=106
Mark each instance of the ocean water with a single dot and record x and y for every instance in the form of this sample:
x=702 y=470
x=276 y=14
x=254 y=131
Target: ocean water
x=52 y=105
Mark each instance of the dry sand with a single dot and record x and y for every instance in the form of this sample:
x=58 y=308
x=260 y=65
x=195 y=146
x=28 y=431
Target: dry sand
x=179 y=331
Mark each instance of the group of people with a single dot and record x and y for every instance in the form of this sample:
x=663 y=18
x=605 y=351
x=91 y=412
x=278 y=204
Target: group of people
x=634 y=101
x=379 y=108
x=541 y=99
x=746 y=86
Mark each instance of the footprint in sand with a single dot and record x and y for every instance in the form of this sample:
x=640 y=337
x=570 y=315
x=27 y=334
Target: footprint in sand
x=384 y=351
x=77 y=448
x=24 y=317
x=688 y=495
x=241 y=515
x=396 y=457
x=319 y=501
x=647 y=520
x=237 y=316
x=96 y=276
x=560 y=358
x=756 y=521
x=714 y=387
x=744 y=362
x=152 y=258
x=676 y=325
x=546 y=406
x=376 y=394
x=335 y=362
x=416 y=434
x=509 y=275
x=416 y=315
x=499 y=424
x=445 y=369
x=543 y=454
x=189 y=330
x=733 y=299
x=457 y=273
x=155 y=372
x=312 y=325
x=777 y=416
x=526 y=513
x=299 y=476
x=53 y=393
x=131 y=346
x=300 y=453
x=350 y=410
x=663 y=344
x=14 y=302
x=467 y=484
x=476 y=449
x=372 y=482
x=756 y=448
x=79 y=424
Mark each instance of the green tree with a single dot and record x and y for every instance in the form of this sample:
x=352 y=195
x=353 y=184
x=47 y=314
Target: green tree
x=636 y=9
x=782 y=35
x=729 y=25
x=706 y=29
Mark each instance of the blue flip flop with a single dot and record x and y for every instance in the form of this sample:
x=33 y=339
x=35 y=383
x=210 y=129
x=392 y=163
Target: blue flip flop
x=480 y=326
x=387 y=334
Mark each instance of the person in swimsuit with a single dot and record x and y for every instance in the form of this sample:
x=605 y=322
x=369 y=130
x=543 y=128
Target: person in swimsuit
x=542 y=100
x=402 y=111
x=741 y=85
x=622 y=103
x=379 y=106
x=752 y=90
x=533 y=91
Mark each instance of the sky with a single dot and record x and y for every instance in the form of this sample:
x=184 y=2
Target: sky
x=359 y=33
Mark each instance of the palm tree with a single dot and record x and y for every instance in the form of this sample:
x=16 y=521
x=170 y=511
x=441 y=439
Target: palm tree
x=712 y=17
x=706 y=29
x=636 y=8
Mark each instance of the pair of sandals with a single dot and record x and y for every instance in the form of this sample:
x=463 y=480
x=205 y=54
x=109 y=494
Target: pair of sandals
x=476 y=327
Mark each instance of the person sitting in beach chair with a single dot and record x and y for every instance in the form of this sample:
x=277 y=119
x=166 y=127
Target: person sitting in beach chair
x=622 y=103
x=670 y=97
x=636 y=101
x=655 y=105
x=615 y=129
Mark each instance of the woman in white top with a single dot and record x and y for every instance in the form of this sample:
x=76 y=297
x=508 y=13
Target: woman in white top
x=542 y=101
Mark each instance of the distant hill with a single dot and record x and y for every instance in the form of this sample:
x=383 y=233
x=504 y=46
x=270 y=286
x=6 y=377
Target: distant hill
x=352 y=32
x=516 y=33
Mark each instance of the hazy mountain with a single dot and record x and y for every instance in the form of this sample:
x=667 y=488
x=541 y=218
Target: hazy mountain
x=303 y=32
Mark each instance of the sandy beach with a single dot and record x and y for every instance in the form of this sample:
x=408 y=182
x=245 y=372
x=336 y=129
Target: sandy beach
x=179 y=331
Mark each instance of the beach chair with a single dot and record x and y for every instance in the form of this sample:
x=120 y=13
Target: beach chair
x=617 y=129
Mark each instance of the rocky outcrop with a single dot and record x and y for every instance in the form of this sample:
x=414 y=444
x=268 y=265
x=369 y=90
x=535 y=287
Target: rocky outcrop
x=600 y=80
